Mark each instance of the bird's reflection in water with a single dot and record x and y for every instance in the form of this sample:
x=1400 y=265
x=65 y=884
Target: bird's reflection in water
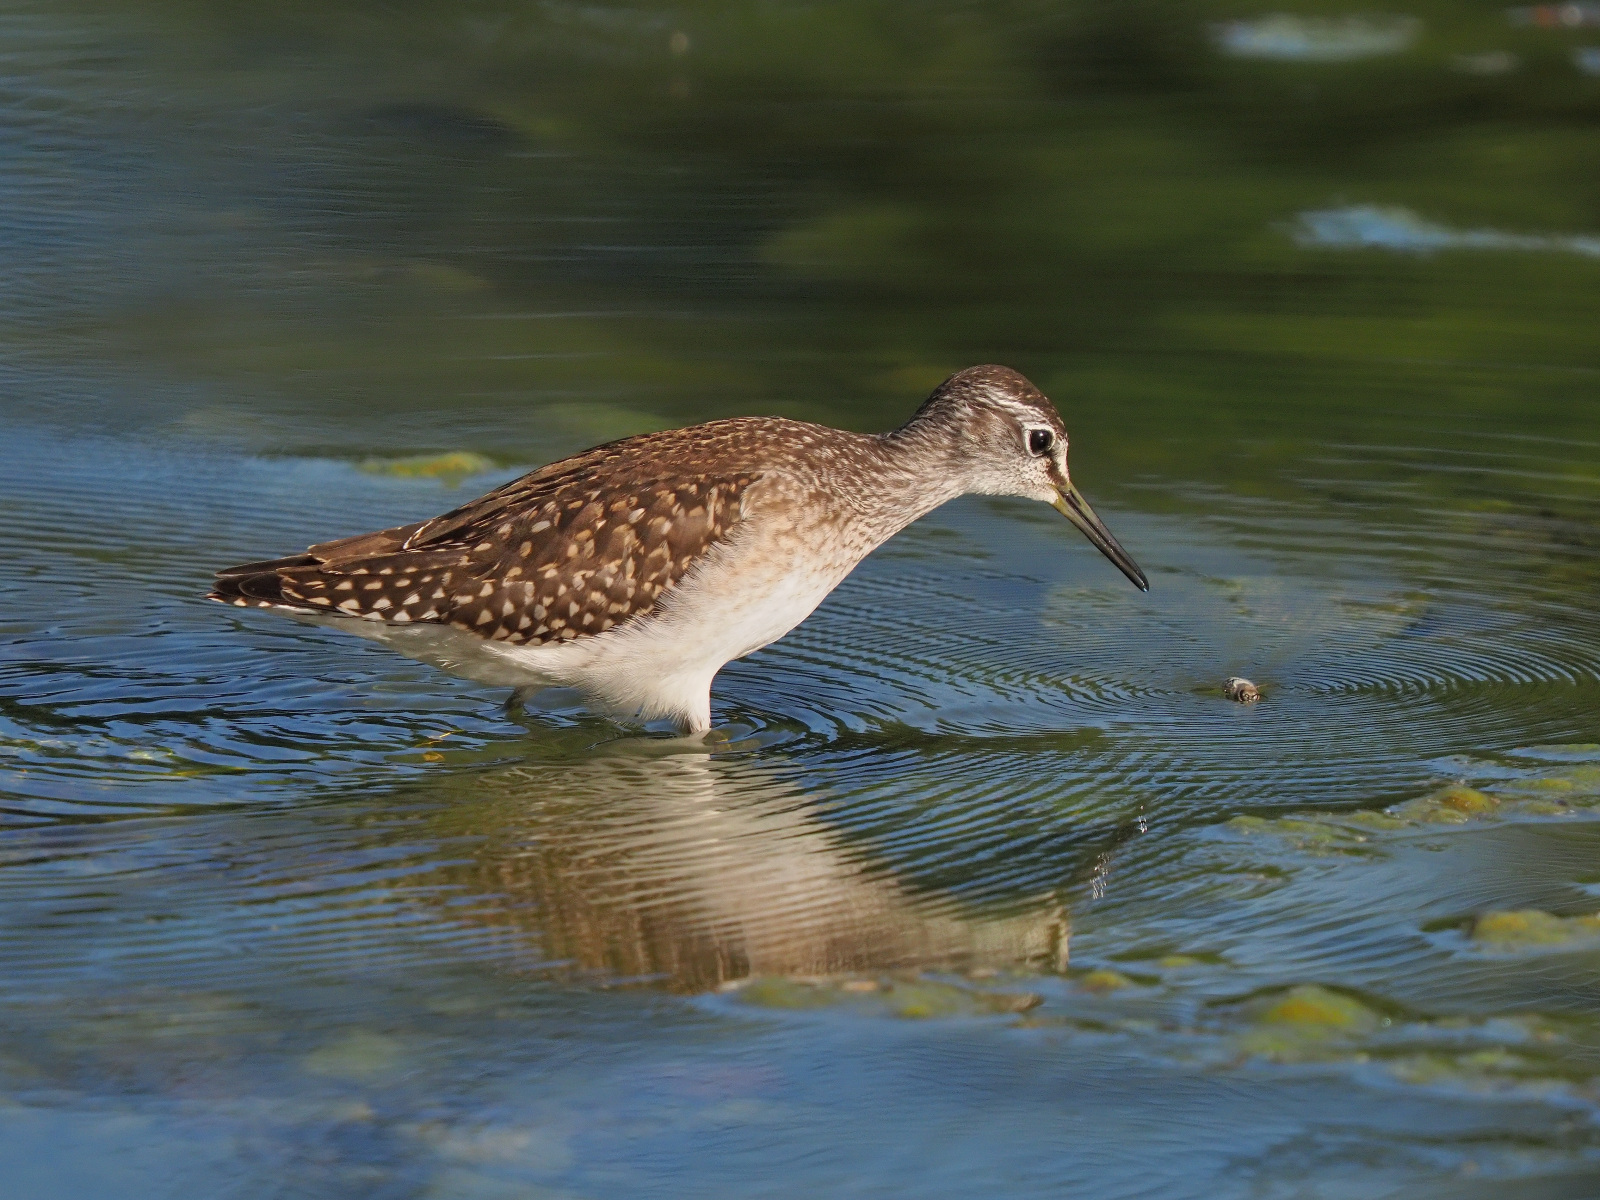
x=693 y=871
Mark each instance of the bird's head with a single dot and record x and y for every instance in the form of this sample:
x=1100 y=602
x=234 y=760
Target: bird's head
x=1006 y=439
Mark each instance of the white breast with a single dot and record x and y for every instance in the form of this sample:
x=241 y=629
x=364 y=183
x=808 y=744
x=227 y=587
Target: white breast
x=662 y=666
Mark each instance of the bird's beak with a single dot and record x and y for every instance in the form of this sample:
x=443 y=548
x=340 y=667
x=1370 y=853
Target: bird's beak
x=1069 y=502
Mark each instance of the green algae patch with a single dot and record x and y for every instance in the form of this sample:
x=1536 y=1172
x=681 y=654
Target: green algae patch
x=1371 y=821
x=1305 y=1021
x=358 y=1055
x=1567 y=775
x=1313 y=834
x=928 y=1000
x=778 y=992
x=1458 y=804
x=1104 y=981
x=1310 y=1007
x=1309 y=833
x=1477 y=1068
x=1313 y=1024
x=1452 y=806
x=1528 y=928
x=451 y=468
x=1538 y=1059
x=1578 y=784
x=1464 y=799
x=910 y=999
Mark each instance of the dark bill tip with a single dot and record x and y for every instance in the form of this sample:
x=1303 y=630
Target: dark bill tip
x=1071 y=505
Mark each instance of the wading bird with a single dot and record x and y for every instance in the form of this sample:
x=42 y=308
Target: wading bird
x=634 y=571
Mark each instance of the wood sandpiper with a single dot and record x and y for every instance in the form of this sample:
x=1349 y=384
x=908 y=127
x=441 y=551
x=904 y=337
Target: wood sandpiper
x=634 y=571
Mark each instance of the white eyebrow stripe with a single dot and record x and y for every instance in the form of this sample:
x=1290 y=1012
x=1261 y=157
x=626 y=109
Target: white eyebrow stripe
x=1024 y=415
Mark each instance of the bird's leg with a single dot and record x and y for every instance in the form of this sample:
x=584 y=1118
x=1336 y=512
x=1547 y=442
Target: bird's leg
x=518 y=698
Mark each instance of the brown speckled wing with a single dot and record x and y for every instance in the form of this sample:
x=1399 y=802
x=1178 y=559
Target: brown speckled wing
x=574 y=548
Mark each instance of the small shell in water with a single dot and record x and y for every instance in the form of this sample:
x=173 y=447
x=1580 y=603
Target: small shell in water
x=1241 y=689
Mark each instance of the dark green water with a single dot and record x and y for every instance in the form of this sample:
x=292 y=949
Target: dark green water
x=989 y=892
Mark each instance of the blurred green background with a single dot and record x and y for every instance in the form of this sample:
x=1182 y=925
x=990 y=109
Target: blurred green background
x=989 y=890
x=822 y=209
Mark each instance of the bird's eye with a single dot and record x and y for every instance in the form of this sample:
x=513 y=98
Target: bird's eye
x=1040 y=441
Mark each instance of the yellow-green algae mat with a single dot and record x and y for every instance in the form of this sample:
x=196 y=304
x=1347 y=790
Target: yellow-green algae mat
x=1302 y=1024
x=1568 y=790
x=1312 y=1023
x=911 y=996
x=1529 y=928
x=451 y=468
x=1525 y=1054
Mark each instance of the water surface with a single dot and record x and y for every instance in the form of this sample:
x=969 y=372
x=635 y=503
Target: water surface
x=986 y=887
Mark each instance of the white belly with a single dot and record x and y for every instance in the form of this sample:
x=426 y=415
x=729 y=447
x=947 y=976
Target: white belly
x=660 y=666
x=663 y=666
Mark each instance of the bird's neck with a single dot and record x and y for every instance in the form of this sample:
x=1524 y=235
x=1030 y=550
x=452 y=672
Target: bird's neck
x=920 y=469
